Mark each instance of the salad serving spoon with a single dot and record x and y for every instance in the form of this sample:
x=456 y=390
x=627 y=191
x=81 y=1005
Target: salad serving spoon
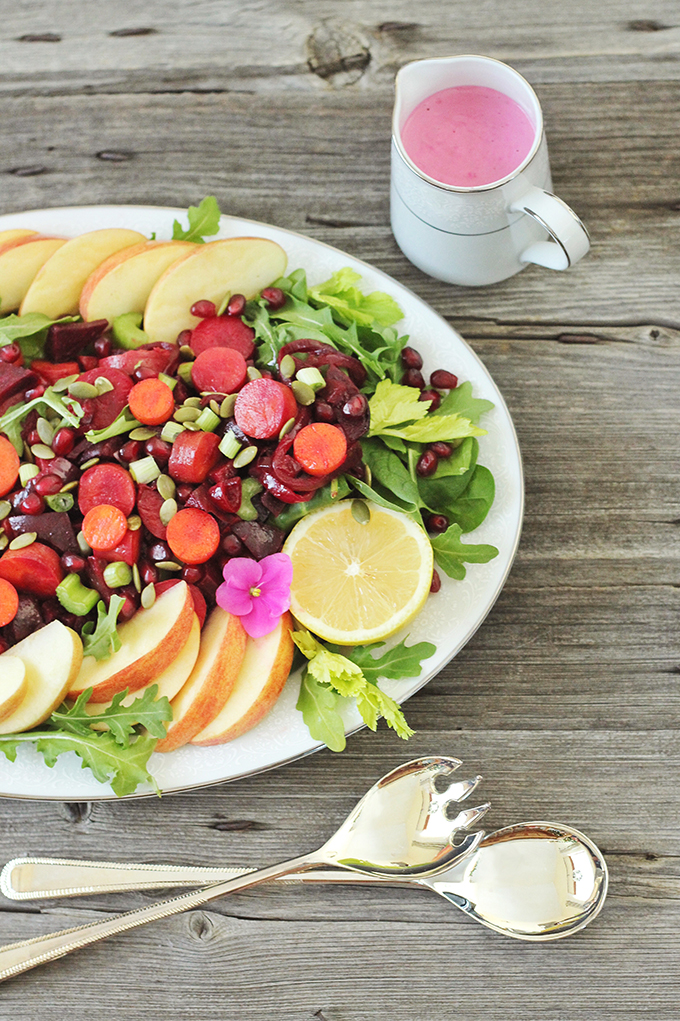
x=403 y=826
x=534 y=881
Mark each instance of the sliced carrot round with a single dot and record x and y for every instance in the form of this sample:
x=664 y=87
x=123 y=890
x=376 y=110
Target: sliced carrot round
x=9 y=465
x=320 y=448
x=193 y=535
x=151 y=401
x=104 y=526
x=9 y=602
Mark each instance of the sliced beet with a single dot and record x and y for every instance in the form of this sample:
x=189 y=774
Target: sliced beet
x=149 y=503
x=28 y=619
x=34 y=569
x=61 y=466
x=66 y=340
x=260 y=540
x=14 y=380
x=100 y=412
x=52 y=527
x=157 y=357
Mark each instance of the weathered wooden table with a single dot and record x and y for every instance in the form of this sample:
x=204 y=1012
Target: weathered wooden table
x=567 y=698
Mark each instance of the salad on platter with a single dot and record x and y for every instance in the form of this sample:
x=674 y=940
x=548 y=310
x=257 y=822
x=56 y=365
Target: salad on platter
x=212 y=472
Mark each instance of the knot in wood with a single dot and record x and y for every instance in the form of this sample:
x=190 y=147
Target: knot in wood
x=200 y=925
x=337 y=54
x=77 y=812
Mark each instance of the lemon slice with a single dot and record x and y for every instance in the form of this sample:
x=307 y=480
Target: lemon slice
x=357 y=582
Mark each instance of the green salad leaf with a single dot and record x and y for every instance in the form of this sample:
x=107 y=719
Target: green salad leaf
x=125 y=422
x=102 y=641
x=204 y=219
x=29 y=332
x=146 y=710
x=451 y=554
x=10 y=423
x=346 y=299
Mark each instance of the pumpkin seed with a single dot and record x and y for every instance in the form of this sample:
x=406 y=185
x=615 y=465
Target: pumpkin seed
x=253 y=373
x=64 y=383
x=167 y=511
x=24 y=540
x=5 y=508
x=286 y=428
x=227 y=406
x=360 y=512
x=134 y=522
x=187 y=352
x=89 y=464
x=185 y=414
x=82 y=391
x=148 y=596
x=192 y=402
x=42 y=451
x=143 y=433
x=103 y=385
x=68 y=487
x=168 y=565
x=303 y=393
x=214 y=407
x=45 y=431
x=136 y=578
x=166 y=487
x=245 y=456
x=287 y=367
x=83 y=544
x=3 y=540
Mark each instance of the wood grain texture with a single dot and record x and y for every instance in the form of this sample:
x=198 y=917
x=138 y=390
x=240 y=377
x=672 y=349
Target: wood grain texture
x=567 y=699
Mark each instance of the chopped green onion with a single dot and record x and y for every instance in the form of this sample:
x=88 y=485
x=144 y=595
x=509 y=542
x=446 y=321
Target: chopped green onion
x=170 y=431
x=144 y=471
x=208 y=420
x=229 y=445
x=27 y=472
x=117 y=574
x=312 y=377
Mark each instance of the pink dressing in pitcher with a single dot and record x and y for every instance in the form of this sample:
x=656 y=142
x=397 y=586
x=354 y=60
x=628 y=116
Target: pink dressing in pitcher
x=468 y=136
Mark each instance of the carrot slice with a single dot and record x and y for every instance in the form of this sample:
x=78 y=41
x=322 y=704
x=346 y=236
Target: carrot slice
x=104 y=526
x=9 y=466
x=9 y=602
x=193 y=535
x=320 y=448
x=151 y=401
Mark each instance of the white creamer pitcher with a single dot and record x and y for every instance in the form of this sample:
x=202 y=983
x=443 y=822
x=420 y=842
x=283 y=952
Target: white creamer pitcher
x=478 y=235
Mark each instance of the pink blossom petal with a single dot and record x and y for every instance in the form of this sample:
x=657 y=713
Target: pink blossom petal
x=276 y=602
x=277 y=572
x=234 y=600
x=242 y=572
x=259 y=622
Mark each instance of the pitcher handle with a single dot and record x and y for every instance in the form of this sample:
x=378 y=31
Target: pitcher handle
x=570 y=239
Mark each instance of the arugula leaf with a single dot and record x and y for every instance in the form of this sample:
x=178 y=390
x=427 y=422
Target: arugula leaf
x=123 y=767
x=328 y=671
x=461 y=402
x=102 y=641
x=148 y=710
x=270 y=336
x=401 y=661
x=29 y=332
x=124 y=423
x=319 y=707
x=450 y=553
x=10 y=423
x=203 y=219
x=340 y=293
x=384 y=500
x=295 y=284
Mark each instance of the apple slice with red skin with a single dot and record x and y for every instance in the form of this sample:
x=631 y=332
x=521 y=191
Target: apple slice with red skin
x=260 y=681
x=51 y=656
x=150 y=641
x=169 y=681
x=223 y=646
x=20 y=261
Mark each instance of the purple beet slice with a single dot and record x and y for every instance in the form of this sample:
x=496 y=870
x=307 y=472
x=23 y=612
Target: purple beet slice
x=66 y=340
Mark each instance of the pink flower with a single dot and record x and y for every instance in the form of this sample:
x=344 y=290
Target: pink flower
x=257 y=591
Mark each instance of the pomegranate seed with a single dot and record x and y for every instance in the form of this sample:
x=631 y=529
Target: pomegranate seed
x=274 y=297
x=437 y=523
x=87 y=362
x=427 y=463
x=204 y=309
x=160 y=551
x=32 y=503
x=436 y=581
x=158 y=448
x=324 y=412
x=443 y=380
x=131 y=450
x=148 y=573
x=103 y=347
x=237 y=303
x=63 y=442
x=37 y=391
x=47 y=485
x=355 y=406
x=433 y=397
x=72 y=562
x=232 y=545
x=441 y=449
x=192 y=575
x=10 y=353
x=410 y=358
x=33 y=436
x=144 y=372
x=184 y=338
x=184 y=492
x=413 y=377
x=16 y=499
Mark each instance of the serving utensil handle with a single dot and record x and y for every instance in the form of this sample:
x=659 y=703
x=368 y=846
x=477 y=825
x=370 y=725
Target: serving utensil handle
x=16 y=958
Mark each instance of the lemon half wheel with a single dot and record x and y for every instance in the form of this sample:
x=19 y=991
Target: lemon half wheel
x=358 y=582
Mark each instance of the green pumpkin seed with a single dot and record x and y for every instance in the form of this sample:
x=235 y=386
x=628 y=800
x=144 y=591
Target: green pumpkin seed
x=143 y=433
x=68 y=487
x=4 y=541
x=245 y=456
x=136 y=578
x=89 y=464
x=287 y=367
x=24 y=540
x=303 y=393
x=83 y=544
x=286 y=428
x=43 y=452
x=360 y=512
x=148 y=596
x=134 y=522
x=214 y=407
x=64 y=383
x=166 y=487
x=253 y=373
x=187 y=352
x=45 y=431
x=227 y=406
x=83 y=391
x=187 y=414
x=5 y=508
x=167 y=511
x=103 y=385
x=168 y=565
x=192 y=402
